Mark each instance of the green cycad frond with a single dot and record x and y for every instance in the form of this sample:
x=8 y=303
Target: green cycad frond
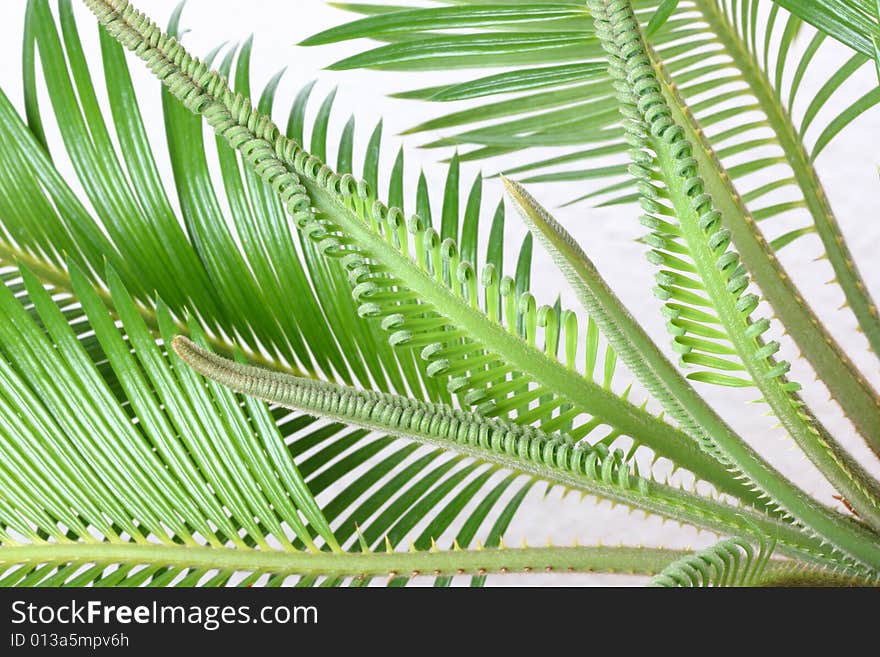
x=136 y=482
x=703 y=283
x=770 y=157
x=202 y=489
x=552 y=457
x=390 y=23
x=44 y=222
x=227 y=487
x=409 y=484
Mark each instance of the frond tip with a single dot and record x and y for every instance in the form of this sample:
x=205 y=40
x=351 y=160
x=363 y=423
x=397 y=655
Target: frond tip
x=731 y=562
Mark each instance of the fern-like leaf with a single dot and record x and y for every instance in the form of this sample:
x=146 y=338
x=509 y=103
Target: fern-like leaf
x=712 y=55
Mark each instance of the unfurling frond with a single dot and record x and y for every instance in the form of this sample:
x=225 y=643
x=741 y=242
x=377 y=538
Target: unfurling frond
x=251 y=260
x=732 y=562
x=523 y=449
x=264 y=375
x=740 y=109
x=736 y=562
x=394 y=276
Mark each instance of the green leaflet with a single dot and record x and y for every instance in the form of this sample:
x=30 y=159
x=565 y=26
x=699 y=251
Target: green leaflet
x=513 y=81
x=495 y=49
x=851 y=22
x=664 y=11
x=876 y=42
x=795 y=183
x=445 y=18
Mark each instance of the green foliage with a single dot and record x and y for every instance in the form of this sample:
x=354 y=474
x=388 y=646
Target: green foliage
x=701 y=281
x=447 y=392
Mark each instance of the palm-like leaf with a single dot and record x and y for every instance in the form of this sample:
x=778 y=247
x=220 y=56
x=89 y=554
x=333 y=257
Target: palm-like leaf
x=228 y=479
x=523 y=449
x=201 y=490
x=213 y=246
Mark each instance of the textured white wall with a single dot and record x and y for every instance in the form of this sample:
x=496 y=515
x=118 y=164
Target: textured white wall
x=848 y=168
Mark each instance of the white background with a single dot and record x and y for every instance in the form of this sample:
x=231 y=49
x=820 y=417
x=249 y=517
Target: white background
x=848 y=169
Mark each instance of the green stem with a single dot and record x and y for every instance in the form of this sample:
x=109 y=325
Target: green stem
x=434 y=563
x=845 y=383
x=636 y=561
